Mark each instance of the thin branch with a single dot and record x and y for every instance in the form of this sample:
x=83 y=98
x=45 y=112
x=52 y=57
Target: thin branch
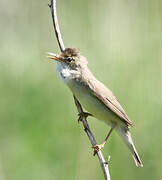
x=103 y=163
x=56 y=25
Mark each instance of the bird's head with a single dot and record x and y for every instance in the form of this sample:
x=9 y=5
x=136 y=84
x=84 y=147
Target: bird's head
x=71 y=57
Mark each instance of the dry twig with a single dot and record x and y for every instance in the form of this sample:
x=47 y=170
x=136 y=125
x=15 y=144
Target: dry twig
x=103 y=163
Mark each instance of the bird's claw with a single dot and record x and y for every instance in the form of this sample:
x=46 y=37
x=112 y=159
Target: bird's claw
x=83 y=114
x=97 y=148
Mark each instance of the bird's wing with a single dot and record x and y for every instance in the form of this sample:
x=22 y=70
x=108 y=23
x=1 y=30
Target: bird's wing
x=108 y=98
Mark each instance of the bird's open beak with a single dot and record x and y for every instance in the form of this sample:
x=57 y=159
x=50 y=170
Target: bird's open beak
x=55 y=57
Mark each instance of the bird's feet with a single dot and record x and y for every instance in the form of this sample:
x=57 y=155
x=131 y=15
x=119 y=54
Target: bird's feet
x=98 y=147
x=83 y=114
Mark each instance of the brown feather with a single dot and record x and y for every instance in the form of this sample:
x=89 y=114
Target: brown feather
x=101 y=92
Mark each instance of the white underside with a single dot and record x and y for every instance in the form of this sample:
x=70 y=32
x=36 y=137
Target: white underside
x=89 y=102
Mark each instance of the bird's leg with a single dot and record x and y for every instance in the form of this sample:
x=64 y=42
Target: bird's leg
x=83 y=114
x=98 y=147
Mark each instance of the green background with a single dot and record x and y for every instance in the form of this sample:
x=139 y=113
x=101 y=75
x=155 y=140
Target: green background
x=39 y=134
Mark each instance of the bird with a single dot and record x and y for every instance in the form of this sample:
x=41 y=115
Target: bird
x=94 y=96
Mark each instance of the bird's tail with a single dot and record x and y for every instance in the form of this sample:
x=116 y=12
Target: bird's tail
x=126 y=136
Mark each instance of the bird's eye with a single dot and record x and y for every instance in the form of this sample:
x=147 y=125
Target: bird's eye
x=69 y=59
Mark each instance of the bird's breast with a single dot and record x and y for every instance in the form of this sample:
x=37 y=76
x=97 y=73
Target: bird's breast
x=64 y=73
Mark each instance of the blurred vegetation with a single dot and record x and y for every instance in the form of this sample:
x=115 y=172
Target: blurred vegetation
x=39 y=134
